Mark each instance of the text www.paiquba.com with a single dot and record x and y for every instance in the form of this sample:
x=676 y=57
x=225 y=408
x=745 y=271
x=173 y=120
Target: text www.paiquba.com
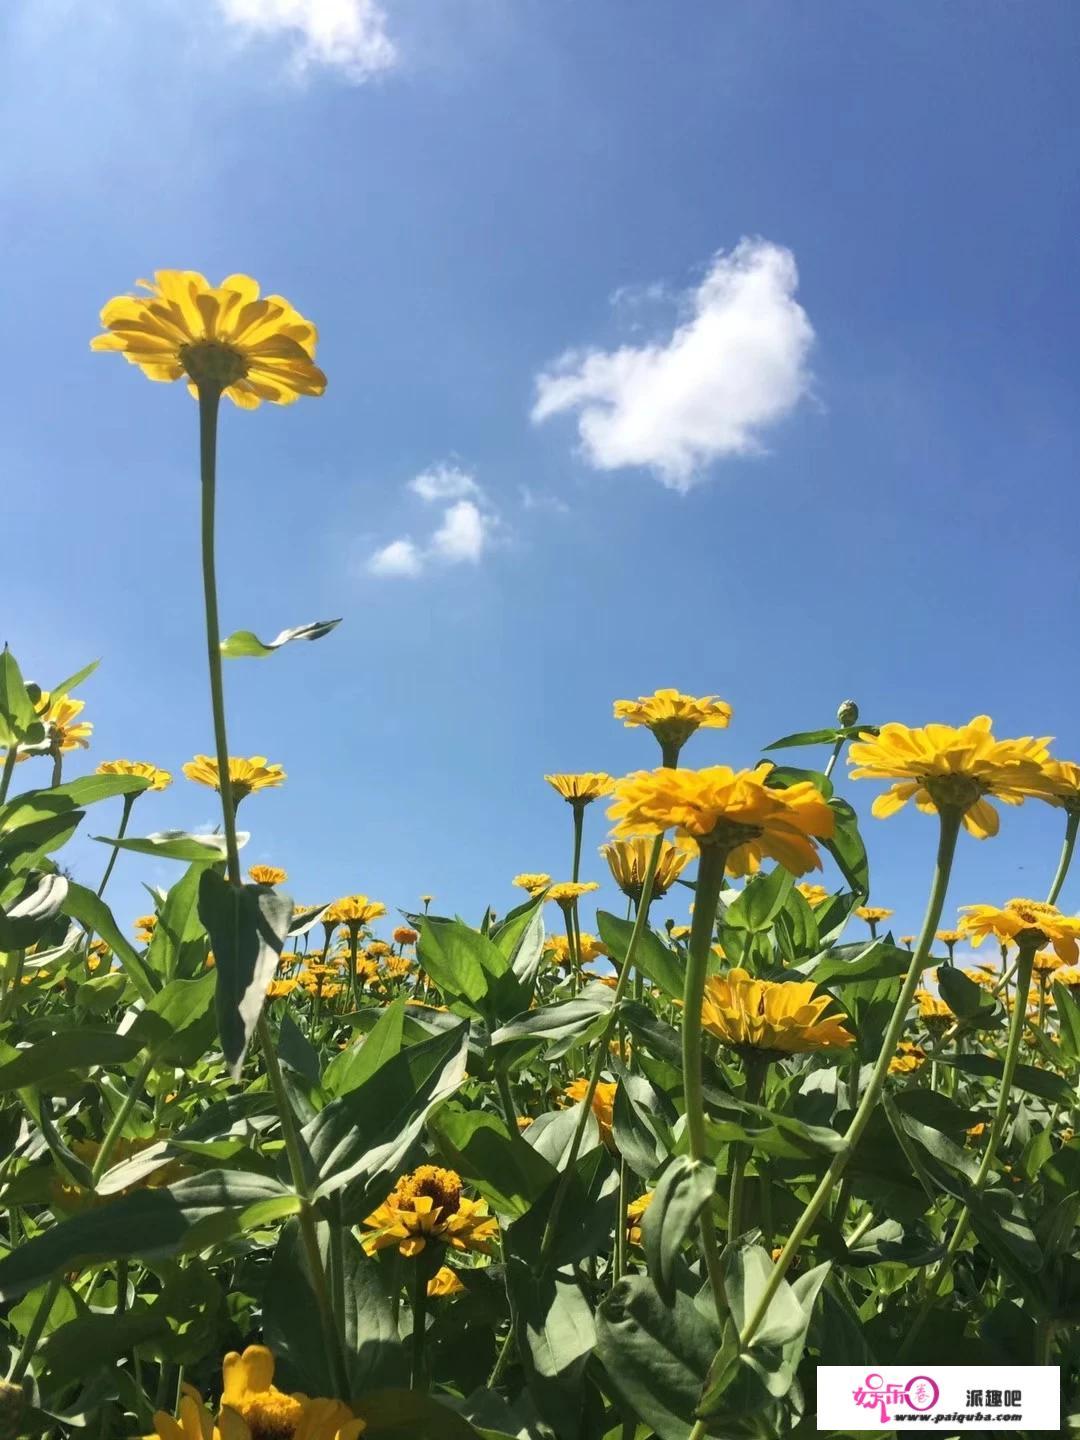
x=978 y=1417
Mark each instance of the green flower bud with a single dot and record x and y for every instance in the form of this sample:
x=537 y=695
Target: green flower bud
x=848 y=713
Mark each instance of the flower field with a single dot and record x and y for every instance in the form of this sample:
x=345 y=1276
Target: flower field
x=365 y=1167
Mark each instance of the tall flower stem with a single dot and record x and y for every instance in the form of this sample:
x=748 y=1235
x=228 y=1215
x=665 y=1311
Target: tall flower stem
x=579 y=825
x=37 y=1326
x=354 y=944
x=119 y=1120
x=835 y=756
x=129 y=801
x=710 y=881
x=506 y=1098
x=620 y=1224
x=757 y=1068
x=950 y=819
x=1071 y=826
x=1017 y=1022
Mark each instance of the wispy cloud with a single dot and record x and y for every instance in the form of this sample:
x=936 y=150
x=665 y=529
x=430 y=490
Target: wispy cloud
x=444 y=482
x=735 y=365
x=399 y=558
x=347 y=35
x=464 y=536
x=542 y=500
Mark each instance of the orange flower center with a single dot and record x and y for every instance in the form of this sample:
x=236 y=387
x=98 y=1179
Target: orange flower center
x=271 y=1414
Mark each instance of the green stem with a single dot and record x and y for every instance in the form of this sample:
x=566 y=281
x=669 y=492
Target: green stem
x=579 y=825
x=119 y=1120
x=9 y=770
x=354 y=945
x=129 y=801
x=757 y=1068
x=620 y=1225
x=37 y=1325
x=417 y=1378
x=836 y=750
x=506 y=1096
x=710 y=881
x=1071 y=825
x=950 y=828
x=997 y=1129
x=209 y=403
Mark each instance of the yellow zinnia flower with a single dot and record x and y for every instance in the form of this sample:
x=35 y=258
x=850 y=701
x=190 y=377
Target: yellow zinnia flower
x=673 y=717
x=159 y=779
x=1046 y=962
x=145 y=925
x=428 y=1206
x=63 y=730
x=1064 y=777
x=955 y=767
x=932 y=1009
x=405 y=935
x=784 y=1017
x=908 y=1057
x=1029 y=920
x=813 y=894
x=355 y=910
x=194 y=1421
x=603 y=1103
x=628 y=861
x=733 y=808
x=531 y=881
x=634 y=1213
x=264 y=1412
x=557 y=949
x=267 y=875
x=582 y=789
x=222 y=336
x=444 y=1283
x=245 y=776
x=568 y=890
x=872 y=913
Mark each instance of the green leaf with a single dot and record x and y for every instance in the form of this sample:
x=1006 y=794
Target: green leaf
x=17 y=713
x=410 y=1415
x=569 y=1019
x=148 y=1225
x=761 y=900
x=1036 y=1082
x=556 y=1334
x=247 y=925
x=74 y=681
x=1068 y=1013
x=642 y=1122
x=460 y=960
x=245 y=642
x=24 y=919
x=652 y=957
x=177 y=845
x=847 y=964
x=828 y=736
x=351 y=1067
x=96 y=918
x=796 y=929
x=685 y=1188
x=480 y=1147
x=297 y=1051
x=178 y=928
x=57 y=1055
x=21 y=849
x=847 y=848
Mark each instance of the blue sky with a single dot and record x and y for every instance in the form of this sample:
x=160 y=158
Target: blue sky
x=783 y=491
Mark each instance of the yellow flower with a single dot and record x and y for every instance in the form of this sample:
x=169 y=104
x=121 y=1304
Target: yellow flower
x=279 y=989
x=784 y=1017
x=932 y=1009
x=557 y=948
x=955 y=767
x=582 y=789
x=1030 y=920
x=64 y=731
x=1046 y=962
x=1064 y=777
x=1068 y=975
x=267 y=875
x=634 y=1212
x=245 y=776
x=569 y=890
x=733 y=808
x=908 y=1057
x=673 y=717
x=532 y=882
x=194 y=1423
x=907 y=940
x=872 y=912
x=145 y=925
x=813 y=894
x=629 y=859
x=444 y=1283
x=159 y=779
x=378 y=948
x=355 y=910
x=71 y=1198
x=223 y=336
x=603 y=1103
x=949 y=937
x=426 y=899
x=253 y=1408
x=403 y=935
x=679 y=932
x=428 y=1206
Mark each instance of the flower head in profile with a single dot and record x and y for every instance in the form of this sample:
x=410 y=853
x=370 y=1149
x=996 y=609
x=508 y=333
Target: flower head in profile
x=872 y=914
x=405 y=935
x=582 y=789
x=778 y=1017
x=159 y=779
x=145 y=925
x=908 y=1057
x=635 y=1213
x=813 y=894
x=64 y=731
x=1045 y=963
x=224 y=337
x=628 y=860
x=1064 y=777
x=603 y=1104
x=1032 y=923
x=354 y=911
x=245 y=776
x=444 y=1283
x=1069 y=976
x=567 y=891
x=532 y=880
x=673 y=717
x=949 y=937
x=557 y=949
x=267 y=875
x=933 y=1010
x=737 y=809
x=427 y=1207
x=947 y=767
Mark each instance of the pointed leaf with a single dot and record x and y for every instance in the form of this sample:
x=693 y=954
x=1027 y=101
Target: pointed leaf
x=246 y=642
x=247 y=925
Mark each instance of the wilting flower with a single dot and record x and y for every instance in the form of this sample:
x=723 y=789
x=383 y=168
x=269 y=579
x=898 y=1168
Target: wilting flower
x=603 y=1103
x=444 y=1283
x=908 y=1057
x=569 y=890
x=942 y=766
x=784 y=1017
x=245 y=776
x=628 y=861
x=634 y=1213
x=403 y=935
x=223 y=336
x=428 y=1206
x=531 y=881
x=354 y=910
x=267 y=875
x=813 y=894
x=159 y=779
x=733 y=808
x=673 y=717
x=582 y=789
x=1032 y=922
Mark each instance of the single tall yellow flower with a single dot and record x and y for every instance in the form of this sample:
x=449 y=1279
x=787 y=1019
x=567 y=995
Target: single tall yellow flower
x=954 y=767
x=267 y=875
x=673 y=717
x=428 y=1206
x=159 y=779
x=64 y=731
x=628 y=861
x=582 y=789
x=1028 y=922
x=245 y=776
x=568 y=890
x=224 y=336
x=733 y=808
x=532 y=881
x=355 y=910
x=781 y=1017
x=872 y=914
x=557 y=949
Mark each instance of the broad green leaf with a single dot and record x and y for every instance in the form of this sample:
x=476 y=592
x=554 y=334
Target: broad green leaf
x=247 y=643
x=480 y=1147
x=410 y=1415
x=1068 y=1013
x=566 y=1019
x=963 y=997
x=297 y=1051
x=352 y=1066
x=642 y=1124
x=845 y=964
x=460 y=960
x=247 y=925
x=177 y=845
x=177 y=928
x=168 y=1018
x=652 y=957
x=685 y=1188
x=761 y=900
x=57 y=1055
x=17 y=713
x=1036 y=1082
x=96 y=918
x=847 y=848
x=556 y=1334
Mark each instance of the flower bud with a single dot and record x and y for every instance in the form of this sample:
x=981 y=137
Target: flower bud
x=848 y=713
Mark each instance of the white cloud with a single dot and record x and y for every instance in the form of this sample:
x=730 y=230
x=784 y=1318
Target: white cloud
x=400 y=558
x=349 y=35
x=463 y=535
x=542 y=500
x=444 y=482
x=735 y=365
